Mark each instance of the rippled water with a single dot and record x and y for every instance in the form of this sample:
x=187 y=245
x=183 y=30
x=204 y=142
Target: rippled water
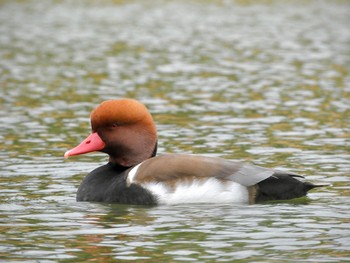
x=264 y=81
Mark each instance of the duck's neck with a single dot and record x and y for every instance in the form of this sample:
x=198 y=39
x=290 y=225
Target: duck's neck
x=132 y=157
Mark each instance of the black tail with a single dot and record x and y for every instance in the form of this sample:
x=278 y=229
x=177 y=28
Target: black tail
x=282 y=187
x=309 y=186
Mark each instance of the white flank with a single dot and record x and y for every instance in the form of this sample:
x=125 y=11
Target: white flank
x=209 y=191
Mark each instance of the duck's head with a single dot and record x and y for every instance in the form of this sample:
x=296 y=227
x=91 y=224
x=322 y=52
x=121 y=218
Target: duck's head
x=124 y=129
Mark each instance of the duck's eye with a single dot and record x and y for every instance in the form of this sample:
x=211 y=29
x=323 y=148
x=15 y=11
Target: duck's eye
x=115 y=124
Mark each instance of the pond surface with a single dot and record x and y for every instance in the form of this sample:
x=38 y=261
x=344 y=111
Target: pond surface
x=265 y=81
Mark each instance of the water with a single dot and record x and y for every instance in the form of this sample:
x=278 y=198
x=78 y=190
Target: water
x=266 y=82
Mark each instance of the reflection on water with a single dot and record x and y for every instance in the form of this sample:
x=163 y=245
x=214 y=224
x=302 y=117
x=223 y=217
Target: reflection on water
x=266 y=82
x=203 y=232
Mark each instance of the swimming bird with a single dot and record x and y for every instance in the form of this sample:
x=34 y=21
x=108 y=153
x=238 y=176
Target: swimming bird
x=124 y=129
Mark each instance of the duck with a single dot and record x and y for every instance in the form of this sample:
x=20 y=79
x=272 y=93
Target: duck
x=135 y=175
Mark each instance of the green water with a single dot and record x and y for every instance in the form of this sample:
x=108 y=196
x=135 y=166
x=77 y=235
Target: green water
x=262 y=81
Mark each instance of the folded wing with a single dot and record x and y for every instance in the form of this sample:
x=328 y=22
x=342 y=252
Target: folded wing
x=178 y=167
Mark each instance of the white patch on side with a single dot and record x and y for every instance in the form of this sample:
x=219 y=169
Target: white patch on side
x=209 y=191
x=131 y=174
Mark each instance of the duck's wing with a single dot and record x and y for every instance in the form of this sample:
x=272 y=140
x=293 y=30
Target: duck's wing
x=170 y=168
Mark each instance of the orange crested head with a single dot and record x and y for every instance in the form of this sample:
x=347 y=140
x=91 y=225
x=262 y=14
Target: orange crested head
x=124 y=129
x=120 y=112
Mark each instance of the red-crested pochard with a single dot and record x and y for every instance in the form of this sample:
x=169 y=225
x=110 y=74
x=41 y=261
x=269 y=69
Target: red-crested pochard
x=124 y=129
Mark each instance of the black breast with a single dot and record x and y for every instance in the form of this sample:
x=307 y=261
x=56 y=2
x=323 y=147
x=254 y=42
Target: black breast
x=107 y=184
